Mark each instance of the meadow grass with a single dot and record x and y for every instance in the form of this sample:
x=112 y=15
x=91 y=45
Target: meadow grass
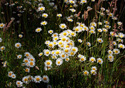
x=61 y=44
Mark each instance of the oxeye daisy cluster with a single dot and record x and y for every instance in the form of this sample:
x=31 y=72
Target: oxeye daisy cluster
x=78 y=44
x=65 y=48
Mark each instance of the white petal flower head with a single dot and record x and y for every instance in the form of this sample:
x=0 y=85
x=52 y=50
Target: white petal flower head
x=121 y=46
x=45 y=79
x=99 y=60
x=59 y=15
x=116 y=51
x=38 y=30
x=41 y=8
x=37 y=79
x=92 y=59
x=20 y=35
x=93 y=72
x=82 y=58
x=110 y=58
x=59 y=62
x=25 y=80
x=46 y=52
x=48 y=63
x=50 y=31
x=10 y=74
x=2 y=48
x=88 y=44
x=43 y=23
x=18 y=45
x=79 y=40
x=40 y=54
x=63 y=26
x=2 y=25
x=94 y=68
x=19 y=83
x=19 y=56
x=31 y=63
x=85 y=73
x=45 y=15
x=13 y=76
x=100 y=40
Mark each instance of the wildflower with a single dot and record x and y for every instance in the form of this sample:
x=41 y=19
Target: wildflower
x=13 y=76
x=99 y=40
x=74 y=49
x=37 y=79
x=19 y=83
x=67 y=59
x=88 y=44
x=99 y=23
x=114 y=43
x=25 y=79
x=43 y=23
x=93 y=72
x=121 y=35
x=57 y=52
x=38 y=30
x=19 y=56
x=110 y=52
x=116 y=51
x=119 y=23
x=92 y=28
x=59 y=62
x=10 y=74
x=73 y=34
x=59 y=15
x=82 y=58
x=104 y=29
x=45 y=79
x=79 y=40
x=72 y=10
x=46 y=52
x=62 y=26
x=27 y=69
x=20 y=35
x=106 y=22
x=2 y=48
x=92 y=31
x=92 y=59
x=41 y=8
x=18 y=45
x=54 y=34
x=111 y=58
x=94 y=68
x=51 y=45
x=48 y=63
x=50 y=31
x=40 y=54
x=93 y=24
x=119 y=40
x=47 y=68
x=62 y=55
x=99 y=30
x=99 y=60
x=83 y=1
x=2 y=25
x=31 y=63
x=121 y=46
x=85 y=28
x=45 y=15
x=85 y=72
